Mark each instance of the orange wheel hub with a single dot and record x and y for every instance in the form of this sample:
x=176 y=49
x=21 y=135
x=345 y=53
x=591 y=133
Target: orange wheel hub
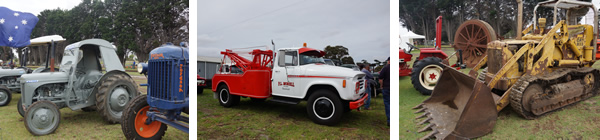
x=141 y=128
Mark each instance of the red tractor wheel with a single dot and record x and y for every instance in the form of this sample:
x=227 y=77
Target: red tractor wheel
x=426 y=73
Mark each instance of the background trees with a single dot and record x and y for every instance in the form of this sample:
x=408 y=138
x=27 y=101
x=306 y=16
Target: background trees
x=419 y=15
x=135 y=26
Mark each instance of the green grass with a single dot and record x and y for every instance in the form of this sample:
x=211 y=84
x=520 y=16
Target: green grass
x=73 y=124
x=268 y=120
x=578 y=121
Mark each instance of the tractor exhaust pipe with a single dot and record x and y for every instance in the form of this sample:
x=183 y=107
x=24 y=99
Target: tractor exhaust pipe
x=520 y=19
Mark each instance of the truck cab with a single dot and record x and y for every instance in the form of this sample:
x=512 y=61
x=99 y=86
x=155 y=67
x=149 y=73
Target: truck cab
x=296 y=70
x=292 y=75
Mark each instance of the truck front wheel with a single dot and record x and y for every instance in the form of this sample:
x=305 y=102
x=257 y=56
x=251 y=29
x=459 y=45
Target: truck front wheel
x=324 y=107
x=225 y=97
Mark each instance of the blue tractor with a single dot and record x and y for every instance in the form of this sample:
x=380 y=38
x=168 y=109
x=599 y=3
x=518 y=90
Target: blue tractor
x=147 y=116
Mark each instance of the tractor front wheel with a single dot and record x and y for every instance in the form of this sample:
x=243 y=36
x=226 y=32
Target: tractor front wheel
x=5 y=96
x=20 y=108
x=426 y=73
x=324 y=107
x=134 y=124
x=42 y=118
x=112 y=96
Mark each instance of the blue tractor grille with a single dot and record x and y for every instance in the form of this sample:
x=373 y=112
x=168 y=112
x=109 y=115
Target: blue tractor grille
x=168 y=83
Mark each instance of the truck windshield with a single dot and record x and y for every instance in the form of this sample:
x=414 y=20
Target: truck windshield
x=329 y=62
x=310 y=59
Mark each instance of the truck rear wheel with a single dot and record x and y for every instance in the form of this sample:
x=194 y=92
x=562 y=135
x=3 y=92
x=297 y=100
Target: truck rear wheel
x=5 y=96
x=324 y=107
x=134 y=124
x=42 y=118
x=425 y=74
x=225 y=97
x=112 y=96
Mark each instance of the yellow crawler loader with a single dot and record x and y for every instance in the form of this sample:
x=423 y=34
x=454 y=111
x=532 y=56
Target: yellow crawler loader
x=546 y=69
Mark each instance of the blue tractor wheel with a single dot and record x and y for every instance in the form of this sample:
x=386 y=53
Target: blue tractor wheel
x=133 y=122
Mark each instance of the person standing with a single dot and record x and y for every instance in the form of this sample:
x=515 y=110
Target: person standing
x=384 y=81
x=366 y=69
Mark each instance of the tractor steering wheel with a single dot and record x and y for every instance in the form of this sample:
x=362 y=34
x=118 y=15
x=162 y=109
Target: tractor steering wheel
x=411 y=48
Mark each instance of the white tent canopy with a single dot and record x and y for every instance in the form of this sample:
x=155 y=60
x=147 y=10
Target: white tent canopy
x=410 y=36
x=46 y=39
x=403 y=43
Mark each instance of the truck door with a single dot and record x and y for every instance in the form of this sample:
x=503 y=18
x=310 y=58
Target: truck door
x=287 y=65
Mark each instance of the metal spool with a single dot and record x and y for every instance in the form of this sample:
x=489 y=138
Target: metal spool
x=472 y=37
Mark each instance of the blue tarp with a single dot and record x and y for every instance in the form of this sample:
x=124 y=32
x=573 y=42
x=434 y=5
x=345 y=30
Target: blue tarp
x=16 y=27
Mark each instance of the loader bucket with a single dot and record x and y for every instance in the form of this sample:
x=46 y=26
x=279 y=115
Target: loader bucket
x=460 y=107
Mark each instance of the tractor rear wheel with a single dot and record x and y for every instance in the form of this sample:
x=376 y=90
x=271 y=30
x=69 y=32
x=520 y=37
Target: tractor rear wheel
x=42 y=118
x=134 y=124
x=324 y=107
x=20 y=108
x=5 y=96
x=112 y=96
x=225 y=97
x=426 y=73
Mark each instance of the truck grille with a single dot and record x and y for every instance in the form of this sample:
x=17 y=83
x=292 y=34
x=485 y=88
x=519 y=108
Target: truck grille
x=360 y=84
x=168 y=83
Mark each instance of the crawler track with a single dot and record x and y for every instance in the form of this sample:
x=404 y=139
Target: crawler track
x=559 y=76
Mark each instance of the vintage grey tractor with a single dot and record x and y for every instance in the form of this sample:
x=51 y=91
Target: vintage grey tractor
x=9 y=83
x=9 y=78
x=81 y=83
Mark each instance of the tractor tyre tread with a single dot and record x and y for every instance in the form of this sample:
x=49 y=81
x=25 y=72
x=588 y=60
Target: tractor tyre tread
x=128 y=119
x=103 y=93
x=417 y=67
x=8 y=94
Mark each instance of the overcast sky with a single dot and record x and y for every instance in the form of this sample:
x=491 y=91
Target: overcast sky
x=359 y=25
x=37 y=6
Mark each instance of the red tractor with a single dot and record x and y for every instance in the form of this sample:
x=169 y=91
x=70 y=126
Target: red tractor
x=405 y=56
x=427 y=68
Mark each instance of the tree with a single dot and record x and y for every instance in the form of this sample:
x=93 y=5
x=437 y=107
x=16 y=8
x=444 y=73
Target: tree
x=335 y=52
x=419 y=15
x=131 y=25
x=338 y=52
x=347 y=60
